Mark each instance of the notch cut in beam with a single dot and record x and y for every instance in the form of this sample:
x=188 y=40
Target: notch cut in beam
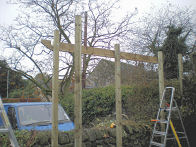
x=65 y=47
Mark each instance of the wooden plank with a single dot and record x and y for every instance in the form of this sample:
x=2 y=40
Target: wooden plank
x=118 y=96
x=101 y=52
x=55 y=89
x=180 y=70
x=78 y=83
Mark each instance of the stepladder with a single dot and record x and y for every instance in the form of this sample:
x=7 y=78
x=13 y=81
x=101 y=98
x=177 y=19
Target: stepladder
x=164 y=133
x=6 y=127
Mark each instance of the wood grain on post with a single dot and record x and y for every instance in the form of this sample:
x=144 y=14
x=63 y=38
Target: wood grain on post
x=118 y=97
x=161 y=87
x=84 y=55
x=180 y=70
x=78 y=83
x=55 y=89
x=161 y=74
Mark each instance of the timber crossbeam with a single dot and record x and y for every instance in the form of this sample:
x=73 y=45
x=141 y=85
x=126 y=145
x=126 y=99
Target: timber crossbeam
x=65 y=47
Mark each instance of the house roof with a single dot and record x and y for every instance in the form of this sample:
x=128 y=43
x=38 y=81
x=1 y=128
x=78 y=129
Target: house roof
x=104 y=74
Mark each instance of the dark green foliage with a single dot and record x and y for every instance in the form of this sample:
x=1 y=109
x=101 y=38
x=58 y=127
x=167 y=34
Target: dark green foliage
x=172 y=46
x=24 y=138
x=98 y=102
x=174 y=43
x=67 y=103
x=189 y=94
x=15 y=79
x=142 y=102
x=28 y=91
x=139 y=102
x=188 y=107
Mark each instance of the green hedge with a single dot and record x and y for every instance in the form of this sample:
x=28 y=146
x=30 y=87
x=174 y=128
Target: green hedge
x=139 y=102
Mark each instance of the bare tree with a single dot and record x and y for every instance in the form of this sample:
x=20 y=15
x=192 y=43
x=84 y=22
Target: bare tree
x=152 y=27
x=149 y=34
x=38 y=19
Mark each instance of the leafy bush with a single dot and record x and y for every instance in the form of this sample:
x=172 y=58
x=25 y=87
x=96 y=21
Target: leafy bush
x=138 y=102
x=98 y=102
x=188 y=107
x=67 y=103
x=28 y=91
x=24 y=138
x=142 y=101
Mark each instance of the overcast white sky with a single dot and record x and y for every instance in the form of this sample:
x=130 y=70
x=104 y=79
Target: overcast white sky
x=9 y=12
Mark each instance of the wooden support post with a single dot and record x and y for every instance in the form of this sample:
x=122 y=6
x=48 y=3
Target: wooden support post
x=55 y=89
x=180 y=70
x=84 y=55
x=161 y=74
x=78 y=83
x=161 y=86
x=118 y=97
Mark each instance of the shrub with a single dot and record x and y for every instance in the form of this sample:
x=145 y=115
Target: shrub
x=98 y=102
x=67 y=103
x=139 y=102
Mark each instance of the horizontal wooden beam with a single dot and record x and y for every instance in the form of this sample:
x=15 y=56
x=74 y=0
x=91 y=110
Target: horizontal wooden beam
x=65 y=47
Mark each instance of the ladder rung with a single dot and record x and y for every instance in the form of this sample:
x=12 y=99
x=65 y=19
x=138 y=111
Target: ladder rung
x=175 y=138
x=157 y=144
x=159 y=133
x=180 y=132
x=171 y=138
x=4 y=130
x=174 y=108
x=167 y=109
x=182 y=137
x=162 y=121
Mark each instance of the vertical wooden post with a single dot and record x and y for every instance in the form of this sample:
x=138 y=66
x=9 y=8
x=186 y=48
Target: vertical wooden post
x=78 y=83
x=118 y=96
x=55 y=89
x=84 y=55
x=161 y=74
x=161 y=87
x=180 y=70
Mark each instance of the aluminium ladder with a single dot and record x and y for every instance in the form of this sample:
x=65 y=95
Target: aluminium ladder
x=160 y=133
x=6 y=126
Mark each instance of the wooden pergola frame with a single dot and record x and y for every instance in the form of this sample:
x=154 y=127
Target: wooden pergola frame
x=78 y=49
